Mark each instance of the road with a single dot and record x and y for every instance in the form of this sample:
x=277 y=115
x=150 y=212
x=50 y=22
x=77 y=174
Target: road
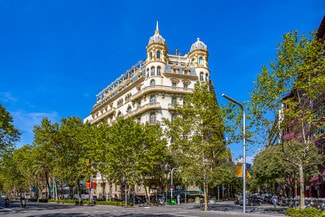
x=221 y=209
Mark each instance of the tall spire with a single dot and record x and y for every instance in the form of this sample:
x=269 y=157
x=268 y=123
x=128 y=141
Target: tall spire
x=157 y=29
x=157 y=38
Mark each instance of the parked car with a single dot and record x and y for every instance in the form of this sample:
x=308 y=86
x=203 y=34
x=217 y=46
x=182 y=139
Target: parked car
x=237 y=200
x=251 y=201
x=267 y=197
x=101 y=198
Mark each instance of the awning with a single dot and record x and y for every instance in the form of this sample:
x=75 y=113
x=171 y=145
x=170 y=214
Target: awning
x=193 y=192
x=314 y=178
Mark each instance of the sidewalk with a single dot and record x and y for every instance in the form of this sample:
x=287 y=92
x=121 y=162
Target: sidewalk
x=228 y=207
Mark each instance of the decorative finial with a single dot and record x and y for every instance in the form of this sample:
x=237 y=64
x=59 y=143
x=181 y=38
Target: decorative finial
x=157 y=29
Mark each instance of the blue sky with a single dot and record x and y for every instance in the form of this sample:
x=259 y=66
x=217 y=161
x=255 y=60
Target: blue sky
x=56 y=55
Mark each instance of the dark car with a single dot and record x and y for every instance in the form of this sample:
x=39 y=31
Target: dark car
x=251 y=201
x=237 y=200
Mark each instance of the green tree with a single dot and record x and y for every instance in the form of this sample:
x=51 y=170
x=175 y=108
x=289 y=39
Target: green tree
x=152 y=155
x=72 y=152
x=46 y=139
x=295 y=79
x=97 y=147
x=197 y=141
x=134 y=152
x=15 y=173
x=8 y=133
x=124 y=139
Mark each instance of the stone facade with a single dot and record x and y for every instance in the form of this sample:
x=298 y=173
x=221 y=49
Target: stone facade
x=148 y=92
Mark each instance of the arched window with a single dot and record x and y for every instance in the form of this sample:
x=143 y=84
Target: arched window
x=152 y=70
x=158 y=70
x=153 y=119
x=193 y=61
x=129 y=109
x=158 y=54
x=200 y=60
x=173 y=100
x=206 y=77
x=172 y=117
x=152 y=83
x=201 y=76
x=153 y=99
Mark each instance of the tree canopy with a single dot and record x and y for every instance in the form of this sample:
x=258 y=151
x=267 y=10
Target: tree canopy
x=8 y=133
x=197 y=141
x=287 y=102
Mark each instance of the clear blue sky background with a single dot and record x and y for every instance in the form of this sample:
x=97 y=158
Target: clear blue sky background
x=56 y=55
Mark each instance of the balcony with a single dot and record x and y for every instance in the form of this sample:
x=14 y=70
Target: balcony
x=171 y=106
x=160 y=88
x=143 y=109
x=103 y=115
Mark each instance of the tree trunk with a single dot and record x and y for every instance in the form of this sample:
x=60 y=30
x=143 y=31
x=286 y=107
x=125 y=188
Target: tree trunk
x=79 y=191
x=302 y=186
x=205 y=189
x=48 y=186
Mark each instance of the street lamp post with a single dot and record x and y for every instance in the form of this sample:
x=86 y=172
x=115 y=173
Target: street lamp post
x=171 y=185
x=244 y=148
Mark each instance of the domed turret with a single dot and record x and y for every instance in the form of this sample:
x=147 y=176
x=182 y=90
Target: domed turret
x=198 y=55
x=156 y=38
x=198 y=59
x=156 y=48
x=198 y=45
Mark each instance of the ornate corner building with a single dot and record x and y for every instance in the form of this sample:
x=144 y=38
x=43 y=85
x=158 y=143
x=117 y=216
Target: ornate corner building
x=149 y=89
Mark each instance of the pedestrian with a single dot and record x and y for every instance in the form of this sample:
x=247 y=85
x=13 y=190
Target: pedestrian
x=274 y=200
x=178 y=199
x=22 y=201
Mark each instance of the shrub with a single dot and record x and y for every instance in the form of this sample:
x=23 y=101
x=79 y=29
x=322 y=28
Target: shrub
x=307 y=212
x=322 y=214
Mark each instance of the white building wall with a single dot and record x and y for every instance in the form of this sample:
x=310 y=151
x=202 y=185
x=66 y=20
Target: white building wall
x=136 y=93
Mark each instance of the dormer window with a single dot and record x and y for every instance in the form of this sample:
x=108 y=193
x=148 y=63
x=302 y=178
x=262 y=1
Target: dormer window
x=158 y=54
